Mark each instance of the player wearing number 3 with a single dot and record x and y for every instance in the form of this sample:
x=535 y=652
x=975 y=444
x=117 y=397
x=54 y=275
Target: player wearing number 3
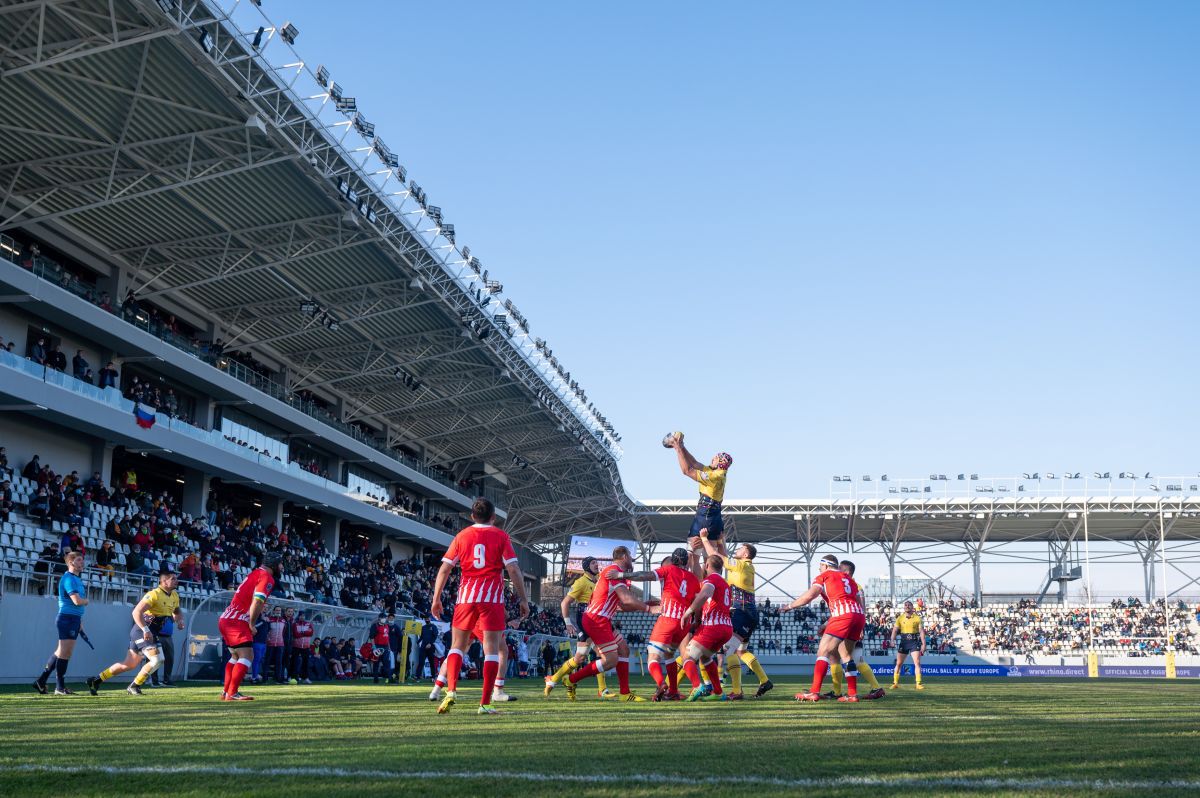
x=484 y=553
x=845 y=626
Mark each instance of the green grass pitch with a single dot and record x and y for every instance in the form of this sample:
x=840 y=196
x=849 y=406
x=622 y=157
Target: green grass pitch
x=962 y=737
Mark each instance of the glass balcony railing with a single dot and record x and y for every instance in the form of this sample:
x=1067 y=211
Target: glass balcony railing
x=113 y=398
x=53 y=272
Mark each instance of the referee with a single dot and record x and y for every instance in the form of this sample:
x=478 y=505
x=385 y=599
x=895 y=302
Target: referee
x=71 y=601
x=912 y=641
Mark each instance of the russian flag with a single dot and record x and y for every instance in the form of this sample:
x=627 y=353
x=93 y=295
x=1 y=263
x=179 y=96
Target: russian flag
x=144 y=415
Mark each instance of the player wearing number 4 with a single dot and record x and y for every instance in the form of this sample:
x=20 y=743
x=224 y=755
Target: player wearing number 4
x=845 y=626
x=483 y=552
x=680 y=580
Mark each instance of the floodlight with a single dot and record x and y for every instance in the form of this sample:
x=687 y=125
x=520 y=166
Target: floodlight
x=258 y=37
x=206 y=41
x=322 y=75
x=347 y=105
x=289 y=32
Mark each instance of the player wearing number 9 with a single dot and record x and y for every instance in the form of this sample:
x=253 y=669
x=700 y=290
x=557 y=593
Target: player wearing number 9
x=844 y=628
x=483 y=552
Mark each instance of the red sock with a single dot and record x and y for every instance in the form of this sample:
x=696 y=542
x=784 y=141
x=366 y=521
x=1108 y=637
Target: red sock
x=235 y=675
x=591 y=669
x=714 y=676
x=693 y=671
x=228 y=673
x=819 y=671
x=656 y=672
x=491 y=667
x=851 y=678
x=453 y=668
x=623 y=675
x=673 y=675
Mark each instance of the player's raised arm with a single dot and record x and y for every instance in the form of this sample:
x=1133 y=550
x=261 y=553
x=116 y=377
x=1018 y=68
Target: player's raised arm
x=804 y=598
x=690 y=466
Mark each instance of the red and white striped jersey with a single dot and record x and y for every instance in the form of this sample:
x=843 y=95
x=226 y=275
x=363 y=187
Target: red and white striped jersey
x=716 y=609
x=840 y=593
x=257 y=585
x=679 y=589
x=605 y=602
x=481 y=551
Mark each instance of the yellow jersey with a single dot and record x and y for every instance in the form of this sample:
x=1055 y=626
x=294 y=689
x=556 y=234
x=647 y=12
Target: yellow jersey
x=581 y=589
x=712 y=483
x=159 y=605
x=740 y=574
x=909 y=624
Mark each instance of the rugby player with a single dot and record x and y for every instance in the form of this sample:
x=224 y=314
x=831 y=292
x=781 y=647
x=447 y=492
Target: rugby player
x=716 y=627
x=579 y=595
x=912 y=641
x=712 y=486
x=72 y=598
x=483 y=552
x=860 y=661
x=237 y=622
x=148 y=615
x=612 y=593
x=680 y=583
x=739 y=573
x=845 y=626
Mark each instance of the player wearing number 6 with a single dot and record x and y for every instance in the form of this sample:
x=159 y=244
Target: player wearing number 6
x=845 y=626
x=483 y=552
x=716 y=627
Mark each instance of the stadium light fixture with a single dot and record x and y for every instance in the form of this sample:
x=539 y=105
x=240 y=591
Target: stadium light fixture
x=206 y=41
x=883 y=478
x=258 y=37
x=289 y=32
x=346 y=105
x=1147 y=476
x=866 y=478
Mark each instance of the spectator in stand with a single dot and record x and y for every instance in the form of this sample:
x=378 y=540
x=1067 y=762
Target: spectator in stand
x=72 y=540
x=109 y=376
x=275 y=647
x=39 y=505
x=105 y=559
x=4 y=469
x=46 y=565
x=57 y=359
x=6 y=501
x=302 y=641
x=79 y=365
x=37 y=352
x=32 y=468
x=135 y=561
x=189 y=568
x=262 y=630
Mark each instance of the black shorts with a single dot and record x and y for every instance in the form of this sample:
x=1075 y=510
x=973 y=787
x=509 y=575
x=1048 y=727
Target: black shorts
x=909 y=645
x=137 y=640
x=582 y=635
x=745 y=622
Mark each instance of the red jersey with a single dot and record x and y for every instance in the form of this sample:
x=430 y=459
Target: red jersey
x=381 y=635
x=716 y=608
x=302 y=634
x=481 y=551
x=840 y=593
x=605 y=602
x=679 y=589
x=258 y=585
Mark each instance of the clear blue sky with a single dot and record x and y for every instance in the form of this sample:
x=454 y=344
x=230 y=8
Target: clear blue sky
x=894 y=238
x=829 y=239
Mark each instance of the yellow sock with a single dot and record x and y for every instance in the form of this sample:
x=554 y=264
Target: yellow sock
x=704 y=675
x=106 y=674
x=563 y=670
x=864 y=668
x=835 y=670
x=141 y=678
x=600 y=681
x=752 y=663
x=735 y=674
x=918 y=670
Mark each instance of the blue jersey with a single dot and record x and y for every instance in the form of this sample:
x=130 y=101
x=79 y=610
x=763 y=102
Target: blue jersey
x=70 y=583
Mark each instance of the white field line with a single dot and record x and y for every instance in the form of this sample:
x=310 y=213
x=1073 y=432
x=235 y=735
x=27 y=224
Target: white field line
x=634 y=778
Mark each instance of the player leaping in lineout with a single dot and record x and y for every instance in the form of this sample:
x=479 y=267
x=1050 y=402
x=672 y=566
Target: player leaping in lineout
x=712 y=486
x=845 y=626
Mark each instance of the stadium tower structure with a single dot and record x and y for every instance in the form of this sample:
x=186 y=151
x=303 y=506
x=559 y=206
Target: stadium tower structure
x=184 y=195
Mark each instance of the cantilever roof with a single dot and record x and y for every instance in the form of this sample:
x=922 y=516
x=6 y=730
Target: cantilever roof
x=165 y=143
